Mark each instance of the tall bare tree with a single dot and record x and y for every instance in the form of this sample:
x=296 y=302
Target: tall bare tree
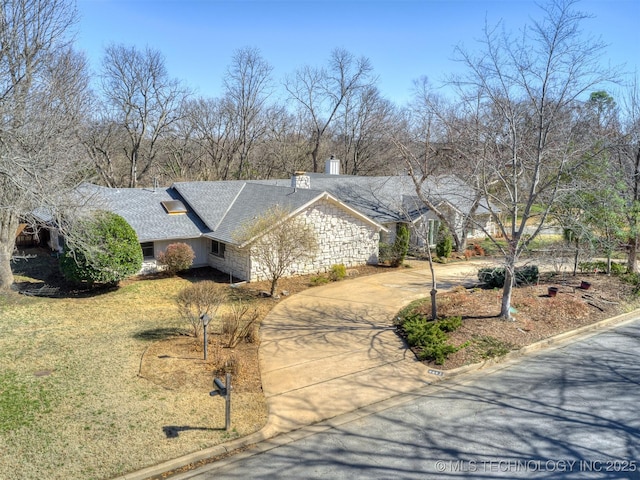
x=141 y=98
x=213 y=131
x=247 y=89
x=526 y=91
x=434 y=140
x=42 y=101
x=321 y=92
x=627 y=161
x=363 y=143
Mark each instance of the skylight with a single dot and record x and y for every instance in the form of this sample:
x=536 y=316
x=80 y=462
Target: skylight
x=174 y=207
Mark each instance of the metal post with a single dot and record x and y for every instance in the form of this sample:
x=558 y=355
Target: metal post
x=227 y=410
x=205 y=321
x=205 y=341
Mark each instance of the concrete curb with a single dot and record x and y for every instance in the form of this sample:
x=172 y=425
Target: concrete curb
x=267 y=439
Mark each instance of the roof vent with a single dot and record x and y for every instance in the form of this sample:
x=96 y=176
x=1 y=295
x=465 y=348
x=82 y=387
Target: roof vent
x=174 y=207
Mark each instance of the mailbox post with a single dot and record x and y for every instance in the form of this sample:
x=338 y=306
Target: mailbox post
x=224 y=390
x=205 y=321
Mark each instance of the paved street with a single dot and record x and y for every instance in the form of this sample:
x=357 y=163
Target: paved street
x=567 y=413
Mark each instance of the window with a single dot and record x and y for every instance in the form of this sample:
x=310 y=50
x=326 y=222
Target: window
x=217 y=248
x=147 y=249
x=174 y=207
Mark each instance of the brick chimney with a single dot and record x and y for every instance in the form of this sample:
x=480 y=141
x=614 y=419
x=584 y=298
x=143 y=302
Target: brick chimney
x=300 y=180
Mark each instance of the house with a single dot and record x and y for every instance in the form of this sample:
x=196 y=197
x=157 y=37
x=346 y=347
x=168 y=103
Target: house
x=208 y=215
x=350 y=215
x=391 y=200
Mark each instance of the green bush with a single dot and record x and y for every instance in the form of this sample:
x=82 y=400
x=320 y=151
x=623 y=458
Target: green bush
x=338 y=272
x=444 y=247
x=105 y=250
x=494 y=277
x=401 y=245
x=394 y=254
x=177 y=257
x=618 y=268
x=491 y=347
x=318 y=280
x=633 y=279
x=600 y=266
x=431 y=337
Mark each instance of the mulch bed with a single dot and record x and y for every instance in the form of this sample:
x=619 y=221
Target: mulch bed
x=537 y=315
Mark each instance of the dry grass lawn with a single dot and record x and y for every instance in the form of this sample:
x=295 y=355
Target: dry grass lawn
x=95 y=386
x=82 y=398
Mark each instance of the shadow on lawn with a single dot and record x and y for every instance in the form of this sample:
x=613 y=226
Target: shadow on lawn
x=173 y=431
x=161 y=333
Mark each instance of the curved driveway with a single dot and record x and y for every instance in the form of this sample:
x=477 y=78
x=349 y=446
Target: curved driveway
x=331 y=350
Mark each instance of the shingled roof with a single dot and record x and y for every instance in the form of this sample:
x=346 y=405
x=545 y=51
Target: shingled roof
x=214 y=209
x=232 y=204
x=389 y=199
x=143 y=210
x=218 y=209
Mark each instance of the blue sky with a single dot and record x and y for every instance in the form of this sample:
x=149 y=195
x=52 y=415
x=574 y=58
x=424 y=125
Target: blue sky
x=404 y=39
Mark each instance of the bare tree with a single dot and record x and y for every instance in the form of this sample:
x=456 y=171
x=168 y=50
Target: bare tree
x=285 y=146
x=142 y=99
x=247 y=88
x=432 y=141
x=363 y=143
x=42 y=101
x=321 y=92
x=627 y=162
x=526 y=92
x=277 y=241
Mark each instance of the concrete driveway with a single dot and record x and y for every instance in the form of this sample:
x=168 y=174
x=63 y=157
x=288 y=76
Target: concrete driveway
x=331 y=350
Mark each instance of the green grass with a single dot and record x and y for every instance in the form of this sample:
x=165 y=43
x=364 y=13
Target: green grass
x=72 y=405
x=22 y=400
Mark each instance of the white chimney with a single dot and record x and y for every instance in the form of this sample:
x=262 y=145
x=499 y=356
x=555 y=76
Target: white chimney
x=300 y=180
x=332 y=166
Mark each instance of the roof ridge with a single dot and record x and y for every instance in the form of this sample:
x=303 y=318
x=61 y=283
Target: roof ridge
x=231 y=204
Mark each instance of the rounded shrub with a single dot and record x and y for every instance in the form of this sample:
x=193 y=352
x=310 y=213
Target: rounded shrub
x=105 y=250
x=177 y=257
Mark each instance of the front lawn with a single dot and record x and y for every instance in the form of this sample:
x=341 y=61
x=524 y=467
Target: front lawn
x=78 y=399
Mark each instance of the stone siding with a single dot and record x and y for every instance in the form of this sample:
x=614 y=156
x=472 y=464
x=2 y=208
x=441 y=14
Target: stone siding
x=342 y=239
x=236 y=262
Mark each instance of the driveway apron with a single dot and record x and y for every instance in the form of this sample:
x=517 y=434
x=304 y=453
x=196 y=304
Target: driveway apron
x=333 y=349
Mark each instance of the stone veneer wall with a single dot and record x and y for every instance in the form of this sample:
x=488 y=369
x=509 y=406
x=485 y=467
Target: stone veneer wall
x=342 y=238
x=235 y=262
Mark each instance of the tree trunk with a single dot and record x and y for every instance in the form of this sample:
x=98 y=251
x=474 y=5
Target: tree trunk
x=314 y=157
x=632 y=257
x=575 y=257
x=505 y=308
x=8 y=229
x=462 y=243
x=274 y=286
x=434 y=285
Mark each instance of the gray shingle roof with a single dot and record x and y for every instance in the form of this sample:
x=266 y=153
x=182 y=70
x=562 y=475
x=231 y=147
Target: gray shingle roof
x=142 y=209
x=390 y=198
x=256 y=199
x=210 y=200
x=219 y=209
